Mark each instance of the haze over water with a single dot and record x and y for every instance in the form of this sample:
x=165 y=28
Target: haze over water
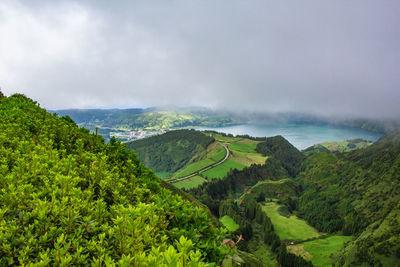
x=301 y=135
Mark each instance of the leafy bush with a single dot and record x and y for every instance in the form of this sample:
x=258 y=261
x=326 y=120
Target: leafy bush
x=67 y=198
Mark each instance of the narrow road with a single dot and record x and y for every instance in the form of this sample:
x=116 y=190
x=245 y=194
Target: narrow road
x=203 y=170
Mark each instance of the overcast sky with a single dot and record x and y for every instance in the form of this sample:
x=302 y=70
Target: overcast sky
x=330 y=57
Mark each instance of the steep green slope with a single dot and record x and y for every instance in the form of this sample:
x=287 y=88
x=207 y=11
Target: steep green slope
x=171 y=151
x=69 y=199
x=289 y=157
x=357 y=192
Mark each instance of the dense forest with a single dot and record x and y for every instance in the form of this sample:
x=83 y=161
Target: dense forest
x=69 y=199
x=171 y=151
x=288 y=156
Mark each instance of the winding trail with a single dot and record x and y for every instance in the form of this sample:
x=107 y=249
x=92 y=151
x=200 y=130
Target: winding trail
x=228 y=153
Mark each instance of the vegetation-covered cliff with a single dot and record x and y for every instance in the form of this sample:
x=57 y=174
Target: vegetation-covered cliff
x=69 y=199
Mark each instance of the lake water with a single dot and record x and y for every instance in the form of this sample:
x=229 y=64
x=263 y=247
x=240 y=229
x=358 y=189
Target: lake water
x=301 y=135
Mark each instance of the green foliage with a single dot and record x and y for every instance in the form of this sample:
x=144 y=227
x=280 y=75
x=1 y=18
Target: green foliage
x=170 y=151
x=288 y=156
x=67 y=198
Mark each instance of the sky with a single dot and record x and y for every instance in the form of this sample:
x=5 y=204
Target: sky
x=337 y=57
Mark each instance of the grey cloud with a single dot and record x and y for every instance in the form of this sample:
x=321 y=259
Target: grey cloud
x=337 y=57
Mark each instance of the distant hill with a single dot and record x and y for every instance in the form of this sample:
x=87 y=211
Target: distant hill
x=120 y=122
x=339 y=146
x=136 y=123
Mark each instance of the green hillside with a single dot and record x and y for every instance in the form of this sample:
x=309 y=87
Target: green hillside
x=171 y=151
x=69 y=199
x=358 y=193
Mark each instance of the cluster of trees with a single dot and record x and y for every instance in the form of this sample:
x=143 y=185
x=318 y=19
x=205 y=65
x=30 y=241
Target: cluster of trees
x=289 y=157
x=68 y=198
x=170 y=151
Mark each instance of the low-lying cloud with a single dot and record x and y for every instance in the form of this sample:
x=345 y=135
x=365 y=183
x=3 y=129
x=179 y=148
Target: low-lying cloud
x=337 y=57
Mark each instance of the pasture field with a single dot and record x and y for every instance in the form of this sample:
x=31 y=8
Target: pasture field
x=243 y=147
x=229 y=223
x=192 y=182
x=225 y=139
x=248 y=158
x=320 y=250
x=222 y=170
x=289 y=228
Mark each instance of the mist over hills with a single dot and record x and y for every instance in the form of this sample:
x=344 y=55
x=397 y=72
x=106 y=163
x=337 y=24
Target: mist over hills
x=156 y=118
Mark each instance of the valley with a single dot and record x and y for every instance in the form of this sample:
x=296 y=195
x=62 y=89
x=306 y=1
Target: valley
x=265 y=190
x=335 y=203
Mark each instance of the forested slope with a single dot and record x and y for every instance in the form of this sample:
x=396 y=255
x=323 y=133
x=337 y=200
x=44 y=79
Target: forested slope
x=69 y=199
x=357 y=192
x=171 y=151
x=288 y=156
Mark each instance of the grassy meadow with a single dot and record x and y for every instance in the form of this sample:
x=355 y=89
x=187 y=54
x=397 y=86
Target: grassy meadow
x=319 y=251
x=222 y=170
x=289 y=228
